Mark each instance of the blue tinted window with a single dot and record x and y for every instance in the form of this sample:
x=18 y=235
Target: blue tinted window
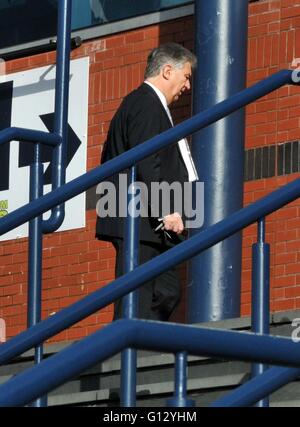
x=93 y=12
x=23 y=21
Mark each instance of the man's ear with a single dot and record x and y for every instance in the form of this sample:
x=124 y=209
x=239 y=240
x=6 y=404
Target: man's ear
x=166 y=71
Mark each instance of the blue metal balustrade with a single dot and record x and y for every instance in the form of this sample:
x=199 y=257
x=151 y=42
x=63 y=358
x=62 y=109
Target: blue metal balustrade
x=153 y=268
x=147 y=335
x=58 y=141
x=130 y=333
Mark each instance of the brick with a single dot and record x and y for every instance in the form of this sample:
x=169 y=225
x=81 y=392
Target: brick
x=79 y=268
x=289 y=102
x=67 y=301
x=133 y=58
x=123 y=50
x=51 y=262
x=38 y=60
x=145 y=45
x=152 y=32
x=75 y=333
x=294 y=134
x=282 y=305
x=288 y=124
x=290 y=45
x=286 y=213
x=292 y=292
x=77 y=290
x=246 y=297
x=13 y=310
x=292 y=268
x=286 y=258
x=293 y=223
x=254 y=119
x=245 y=309
x=89 y=278
x=19 y=299
x=287 y=3
x=20 y=64
x=273 y=27
x=105 y=54
x=252 y=53
x=115 y=41
x=289 y=12
x=275 y=50
x=61 y=337
x=135 y=36
x=99 y=265
x=278 y=293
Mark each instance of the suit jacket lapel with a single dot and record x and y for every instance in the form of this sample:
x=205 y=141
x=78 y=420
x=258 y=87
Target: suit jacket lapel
x=147 y=88
x=152 y=92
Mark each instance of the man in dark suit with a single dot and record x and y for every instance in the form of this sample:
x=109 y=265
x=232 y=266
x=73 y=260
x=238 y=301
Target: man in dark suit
x=143 y=114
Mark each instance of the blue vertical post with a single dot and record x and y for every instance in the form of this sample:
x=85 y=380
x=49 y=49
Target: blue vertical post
x=35 y=248
x=221 y=49
x=37 y=226
x=61 y=109
x=130 y=301
x=260 y=312
x=180 y=396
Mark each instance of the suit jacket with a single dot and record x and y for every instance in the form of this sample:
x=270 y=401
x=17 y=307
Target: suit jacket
x=140 y=117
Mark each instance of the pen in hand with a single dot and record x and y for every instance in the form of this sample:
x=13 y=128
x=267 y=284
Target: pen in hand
x=161 y=227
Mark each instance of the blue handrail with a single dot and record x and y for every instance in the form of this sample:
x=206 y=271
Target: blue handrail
x=153 y=268
x=146 y=335
x=29 y=135
x=258 y=387
x=131 y=157
x=149 y=270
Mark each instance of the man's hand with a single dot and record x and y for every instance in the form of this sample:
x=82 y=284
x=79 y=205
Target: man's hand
x=173 y=222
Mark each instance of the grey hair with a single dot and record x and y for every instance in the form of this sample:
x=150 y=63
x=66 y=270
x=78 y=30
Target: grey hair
x=168 y=53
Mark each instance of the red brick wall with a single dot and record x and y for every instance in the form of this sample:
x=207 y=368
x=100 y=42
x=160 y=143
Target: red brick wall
x=274 y=34
x=76 y=264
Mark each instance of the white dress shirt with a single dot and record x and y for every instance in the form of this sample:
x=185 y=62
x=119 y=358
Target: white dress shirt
x=182 y=144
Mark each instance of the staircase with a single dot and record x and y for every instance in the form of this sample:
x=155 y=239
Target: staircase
x=208 y=378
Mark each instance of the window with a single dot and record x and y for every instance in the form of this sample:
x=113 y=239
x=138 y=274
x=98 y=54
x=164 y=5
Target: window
x=22 y=21
x=95 y=12
x=25 y=21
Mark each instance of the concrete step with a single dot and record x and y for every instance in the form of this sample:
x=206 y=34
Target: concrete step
x=208 y=379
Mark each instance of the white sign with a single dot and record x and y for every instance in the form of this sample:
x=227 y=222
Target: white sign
x=32 y=107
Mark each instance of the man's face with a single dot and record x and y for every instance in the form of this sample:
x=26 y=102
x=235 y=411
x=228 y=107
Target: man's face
x=178 y=81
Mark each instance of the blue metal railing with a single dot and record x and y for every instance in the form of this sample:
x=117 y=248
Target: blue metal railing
x=260 y=293
x=147 y=335
x=130 y=301
x=58 y=141
x=137 y=334
x=133 y=156
x=153 y=268
x=132 y=280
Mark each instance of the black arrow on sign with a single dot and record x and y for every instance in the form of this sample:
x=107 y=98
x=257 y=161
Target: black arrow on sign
x=26 y=151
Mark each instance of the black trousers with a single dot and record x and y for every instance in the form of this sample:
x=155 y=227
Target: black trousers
x=158 y=297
